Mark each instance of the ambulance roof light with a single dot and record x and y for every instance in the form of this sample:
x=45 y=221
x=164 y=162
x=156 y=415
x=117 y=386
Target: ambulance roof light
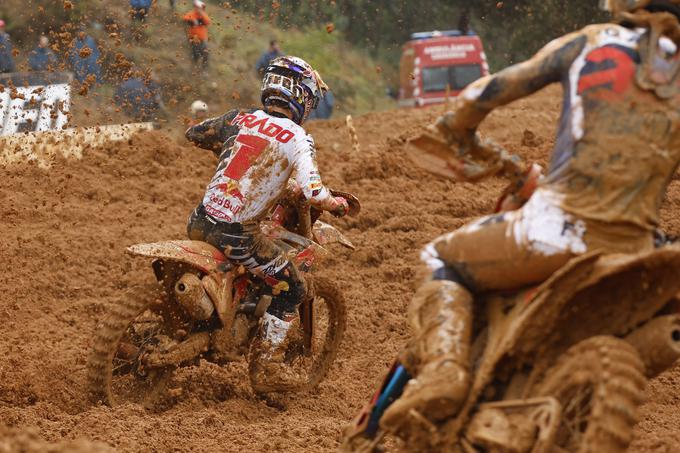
x=437 y=34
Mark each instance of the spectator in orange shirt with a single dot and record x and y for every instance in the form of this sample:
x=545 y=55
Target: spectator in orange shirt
x=197 y=22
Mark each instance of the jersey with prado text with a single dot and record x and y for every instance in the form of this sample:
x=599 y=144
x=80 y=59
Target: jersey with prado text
x=264 y=152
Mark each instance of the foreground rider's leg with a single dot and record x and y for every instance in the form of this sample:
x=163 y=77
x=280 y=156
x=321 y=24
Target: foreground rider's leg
x=487 y=254
x=495 y=252
x=441 y=318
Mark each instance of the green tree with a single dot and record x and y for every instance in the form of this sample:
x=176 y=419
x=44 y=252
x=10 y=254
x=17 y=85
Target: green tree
x=512 y=30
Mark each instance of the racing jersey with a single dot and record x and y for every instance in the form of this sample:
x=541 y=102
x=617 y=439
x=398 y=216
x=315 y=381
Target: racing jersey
x=259 y=153
x=618 y=143
x=617 y=146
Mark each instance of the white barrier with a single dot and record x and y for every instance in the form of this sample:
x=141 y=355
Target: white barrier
x=34 y=101
x=44 y=146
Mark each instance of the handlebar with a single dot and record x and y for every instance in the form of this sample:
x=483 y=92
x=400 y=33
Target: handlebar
x=306 y=215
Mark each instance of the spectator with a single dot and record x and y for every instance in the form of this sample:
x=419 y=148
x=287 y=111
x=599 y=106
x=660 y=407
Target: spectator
x=140 y=97
x=42 y=58
x=83 y=56
x=273 y=52
x=325 y=108
x=6 y=58
x=199 y=112
x=140 y=9
x=197 y=22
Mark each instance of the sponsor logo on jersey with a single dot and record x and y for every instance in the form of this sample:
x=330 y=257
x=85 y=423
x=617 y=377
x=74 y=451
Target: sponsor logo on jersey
x=608 y=72
x=231 y=188
x=228 y=203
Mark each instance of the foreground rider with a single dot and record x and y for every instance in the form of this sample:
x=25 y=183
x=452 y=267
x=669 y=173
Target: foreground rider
x=259 y=150
x=617 y=148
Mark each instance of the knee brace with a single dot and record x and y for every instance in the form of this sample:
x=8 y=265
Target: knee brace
x=286 y=302
x=450 y=273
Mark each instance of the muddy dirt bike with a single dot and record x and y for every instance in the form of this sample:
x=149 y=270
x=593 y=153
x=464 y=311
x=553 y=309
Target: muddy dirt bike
x=560 y=367
x=205 y=307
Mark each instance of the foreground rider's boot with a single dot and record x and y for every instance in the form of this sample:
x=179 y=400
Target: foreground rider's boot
x=362 y=435
x=441 y=316
x=271 y=367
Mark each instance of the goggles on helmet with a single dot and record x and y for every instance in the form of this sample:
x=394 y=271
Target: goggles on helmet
x=292 y=80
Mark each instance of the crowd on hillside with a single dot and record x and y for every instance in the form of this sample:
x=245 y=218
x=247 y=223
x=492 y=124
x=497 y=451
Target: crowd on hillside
x=138 y=94
x=82 y=58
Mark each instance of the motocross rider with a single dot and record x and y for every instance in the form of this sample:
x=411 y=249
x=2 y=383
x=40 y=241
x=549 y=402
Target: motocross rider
x=258 y=151
x=617 y=148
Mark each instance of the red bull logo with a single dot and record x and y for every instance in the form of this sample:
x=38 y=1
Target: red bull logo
x=231 y=188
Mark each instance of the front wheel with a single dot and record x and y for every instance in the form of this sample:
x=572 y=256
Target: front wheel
x=600 y=383
x=329 y=317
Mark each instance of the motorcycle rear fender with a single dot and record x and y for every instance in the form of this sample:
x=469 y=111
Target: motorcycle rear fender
x=198 y=254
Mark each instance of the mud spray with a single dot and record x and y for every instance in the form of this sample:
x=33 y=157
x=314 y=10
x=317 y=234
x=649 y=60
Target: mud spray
x=64 y=230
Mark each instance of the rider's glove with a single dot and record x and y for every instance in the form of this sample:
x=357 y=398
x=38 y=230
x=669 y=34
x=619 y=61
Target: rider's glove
x=462 y=138
x=341 y=207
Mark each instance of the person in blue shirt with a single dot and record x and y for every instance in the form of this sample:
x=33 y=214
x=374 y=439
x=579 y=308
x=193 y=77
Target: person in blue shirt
x=140 y=9
x=83 y=56
x=140 y=97
x=42 y=58
x=273 y=52
x=6 y=58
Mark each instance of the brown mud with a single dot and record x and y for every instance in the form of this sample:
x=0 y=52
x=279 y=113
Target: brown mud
x=64 y=231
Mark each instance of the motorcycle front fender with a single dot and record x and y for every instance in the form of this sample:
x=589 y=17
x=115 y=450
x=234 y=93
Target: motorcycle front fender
x=326 y=234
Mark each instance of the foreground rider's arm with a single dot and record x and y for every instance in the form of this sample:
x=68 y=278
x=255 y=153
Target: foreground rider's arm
x=212 y=133
x=308 y=178
x=478 y=100
x=479 y=159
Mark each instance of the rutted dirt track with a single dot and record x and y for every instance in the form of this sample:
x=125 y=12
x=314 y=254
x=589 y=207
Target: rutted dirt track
x=63 y=235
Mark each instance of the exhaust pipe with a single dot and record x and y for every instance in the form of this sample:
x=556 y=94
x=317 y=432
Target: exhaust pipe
x=658 y=343
x=192 y=296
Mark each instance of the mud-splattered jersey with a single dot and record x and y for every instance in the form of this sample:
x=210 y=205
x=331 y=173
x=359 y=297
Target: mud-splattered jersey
x=262 y=153
x=618 y=144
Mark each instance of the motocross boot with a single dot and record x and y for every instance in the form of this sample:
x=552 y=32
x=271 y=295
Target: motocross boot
x=274 y=365
x=441 y=317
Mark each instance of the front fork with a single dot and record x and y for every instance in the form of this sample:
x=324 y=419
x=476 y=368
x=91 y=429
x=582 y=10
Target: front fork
x=306 y=311
x=367 y=422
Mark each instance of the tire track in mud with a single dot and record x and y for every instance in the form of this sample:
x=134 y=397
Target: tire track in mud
x=64 y=231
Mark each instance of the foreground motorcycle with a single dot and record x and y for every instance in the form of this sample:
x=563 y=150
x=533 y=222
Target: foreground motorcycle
x=205 y=307
x=560 y=367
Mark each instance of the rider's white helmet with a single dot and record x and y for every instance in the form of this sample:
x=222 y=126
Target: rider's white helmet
x=292 y=82
x=198 y=106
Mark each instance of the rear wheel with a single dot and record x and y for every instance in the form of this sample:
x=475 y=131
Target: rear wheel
x=132 y=329
x=600 y=383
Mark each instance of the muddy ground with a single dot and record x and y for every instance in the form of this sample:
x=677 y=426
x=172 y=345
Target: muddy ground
x=64 y=231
